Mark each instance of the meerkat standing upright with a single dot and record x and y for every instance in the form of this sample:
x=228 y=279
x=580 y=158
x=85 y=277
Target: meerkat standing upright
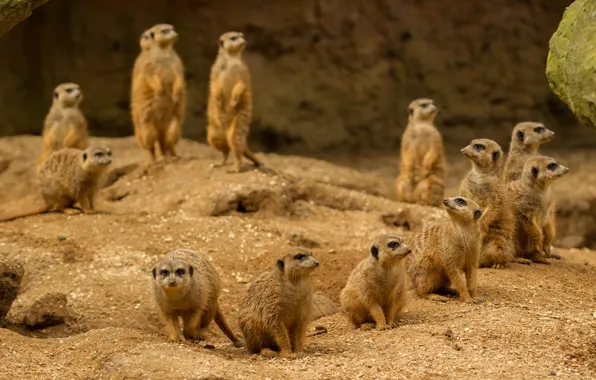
x=535 y=210
x=525 y=141
x=276 y=309
x=422 y=169
x=445 y=249
x=158 y=92
x=186 y=285
x=65 y=125
x=376 y=289
x=229 y=108
x=484 y=185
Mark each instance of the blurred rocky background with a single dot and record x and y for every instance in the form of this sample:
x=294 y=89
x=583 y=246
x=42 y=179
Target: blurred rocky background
x=327 y=74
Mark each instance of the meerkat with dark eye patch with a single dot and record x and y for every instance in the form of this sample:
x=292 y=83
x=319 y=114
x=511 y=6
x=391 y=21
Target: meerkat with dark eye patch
x=70 y=176
x=484 y=185
x=158 y=92
x=376 y=289
x=276 y=309
x=422 y=168
x=65 y=125
x=525 y=141
x=446 y=249
x=229 y=108
x=535 y=209
x=187 y=286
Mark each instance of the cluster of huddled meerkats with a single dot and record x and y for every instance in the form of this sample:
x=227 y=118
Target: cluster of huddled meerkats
x=502 y=215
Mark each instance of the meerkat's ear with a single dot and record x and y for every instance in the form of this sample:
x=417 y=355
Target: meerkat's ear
x=55 y=94
x=520 y=136
x=84 y=156
x=477 y=214
x=221 y=42
x=410 y=111
x=154 y=271
x=496 y=155
x=280 y=264
x=152 y=34
x=374 y=251
x=191 y=270
x=535 y=172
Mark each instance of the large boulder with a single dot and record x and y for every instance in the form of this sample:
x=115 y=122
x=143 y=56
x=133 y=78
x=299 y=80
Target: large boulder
x=571 y=64
x=14 y=11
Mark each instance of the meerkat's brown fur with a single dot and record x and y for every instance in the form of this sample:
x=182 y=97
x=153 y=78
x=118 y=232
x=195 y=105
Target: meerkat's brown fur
x=158 y=92
x=376 y=289
x=70 y=176
x=229 y=107
x=277 y=307
x=484 y=185
x=187 y=286
x=445 y=249
x=422 y=168
x=535 y=210
x=525 y=141
x=65 y=125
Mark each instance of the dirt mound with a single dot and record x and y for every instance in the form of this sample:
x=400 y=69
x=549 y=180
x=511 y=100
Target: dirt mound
x=535 y=321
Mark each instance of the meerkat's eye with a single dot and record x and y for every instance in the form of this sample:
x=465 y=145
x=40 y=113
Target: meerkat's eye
x=393 y=244
x=180 y=272
x=99 y=154
x=461 y=201
x=424 y=105
x=233 y=38
x=299 y=256
x=552 y=166
x=479 y=146
x=165 y=31
x=69 y=90
x=539 y=129
x=164 y=272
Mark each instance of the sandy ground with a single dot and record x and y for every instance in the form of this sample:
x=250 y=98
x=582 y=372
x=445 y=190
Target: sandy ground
x=535 y=322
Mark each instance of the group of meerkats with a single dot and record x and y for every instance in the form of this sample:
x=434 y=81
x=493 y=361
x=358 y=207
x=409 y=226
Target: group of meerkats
x=502 y=215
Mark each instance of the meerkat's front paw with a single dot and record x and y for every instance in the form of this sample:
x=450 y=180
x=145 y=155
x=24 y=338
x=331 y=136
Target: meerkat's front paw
x=383 y=327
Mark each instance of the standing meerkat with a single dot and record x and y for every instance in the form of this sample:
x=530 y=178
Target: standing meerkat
x=158 y=92
x=229 y=107
x=422 y=169
x=525 y=141
x=276 y=309
x=187 y=286
x=484 y=185
x=535 y=210
x=70 y=176
x=65 y=125
x=445 y=249
x=376 y=289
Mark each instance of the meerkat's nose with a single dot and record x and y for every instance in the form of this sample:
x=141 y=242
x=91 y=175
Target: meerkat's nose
x=317 y=263
x=445 y=201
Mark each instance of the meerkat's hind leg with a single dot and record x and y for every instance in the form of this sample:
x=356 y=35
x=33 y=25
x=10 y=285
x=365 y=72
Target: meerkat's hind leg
x=522 y=260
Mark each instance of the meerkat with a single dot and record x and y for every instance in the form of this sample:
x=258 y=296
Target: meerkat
x=65 y=125
x=376 y=289
x=187 y=286
x=525 y=141
x=276 y=309
x=229 y=107
x=484 y=185
x=445 y=249
x=70 y=176
x=422 y=169
x=535 y=210
x=158 y=92
x=11 y=275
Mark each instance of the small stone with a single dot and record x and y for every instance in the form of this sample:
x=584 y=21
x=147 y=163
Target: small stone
x=552 y=372
x=457 y=347
x=209 y=346
x=49 y=310
x=449 y=333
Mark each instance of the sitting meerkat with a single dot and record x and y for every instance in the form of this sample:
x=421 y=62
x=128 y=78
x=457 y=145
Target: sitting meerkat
x=525 y=141
x=422 y=169
x=484 y=185
x=445 y=249
x=186 y=285
x=229 y=107
x=277 y=307
x=65 y=125
x=376 y=289
x=535 y=210
x=158 y=92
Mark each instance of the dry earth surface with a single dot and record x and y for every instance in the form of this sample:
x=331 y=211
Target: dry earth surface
x=535 y=322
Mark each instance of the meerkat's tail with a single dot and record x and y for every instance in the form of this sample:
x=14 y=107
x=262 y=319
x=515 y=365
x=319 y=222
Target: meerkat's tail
x=220 y=321
x=251 y=156
x=34 y=211
x=323 y=306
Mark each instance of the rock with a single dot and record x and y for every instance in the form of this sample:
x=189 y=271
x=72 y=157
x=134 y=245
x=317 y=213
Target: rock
x=571 y=60
x=49 y=310
x=11 y=274
x=14 y=11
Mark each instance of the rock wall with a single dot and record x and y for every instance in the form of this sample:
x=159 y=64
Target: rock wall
x=327 y=74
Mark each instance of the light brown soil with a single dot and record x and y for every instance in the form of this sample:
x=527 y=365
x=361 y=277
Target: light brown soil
x=536 y=321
